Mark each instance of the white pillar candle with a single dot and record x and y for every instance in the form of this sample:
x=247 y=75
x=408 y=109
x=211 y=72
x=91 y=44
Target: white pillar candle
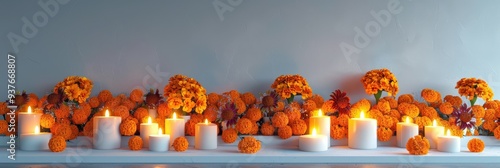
x=448 y=143
x=205 y=136
x=322 y=124
x=362 y=133
x=107 y=132
x=174 y=127
x=159 y=142
x=153 y=112
x=313 y=142
x=35 y=141
x=148 y=129
x=432 y=133
x=405 y=131
x=28 y=121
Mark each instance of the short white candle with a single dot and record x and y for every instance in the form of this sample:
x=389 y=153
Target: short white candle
x=148 y=129
x=448 y=143
x=28 y=121
x=107 y=132
x=405 y=131
x=313 y=142
x=362 y=133
x=432 y=133
x=35 y=141
x=174 y=127
x=322 y=124
x=159 y=142
x=205 y=136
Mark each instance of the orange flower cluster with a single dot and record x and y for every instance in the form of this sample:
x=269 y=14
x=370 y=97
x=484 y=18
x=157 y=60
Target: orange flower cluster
x=187 y=93
x=180 y=144
x=229 y=135
x=249 y=145
x=128 y=127
x=384 y=134
x=135 y=143
x=3 y=127
x=472 y=87
x=75 y=88
x=299 y=127
x=430 y=95
x=267 y=129
x=285 y=132
x=57 y=144
x=380 y=80
x=244 y=125
x=280 y=119
x=418 y=145
x=475 y=145
x=290 y=85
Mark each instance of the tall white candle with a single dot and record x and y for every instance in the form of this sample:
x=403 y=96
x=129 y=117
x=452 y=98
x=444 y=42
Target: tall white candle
x=159 y=142
x=448 y=143
x=28 y=121
x=322 y=124
x=432 y=133
x=362 y=133
x=107 y=132
x=205 y=136
x=35 y=141
x=148 y=129
x=174 y=127
x=313 y=142
x=405 y=131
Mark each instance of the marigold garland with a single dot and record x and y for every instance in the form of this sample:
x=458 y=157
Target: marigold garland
x=475 y=145
x=135 y=143
x=287 y=86
x=180 y=144
x=57 y=144
x=280 y=119
x=191 y=93
x=229 y=135
x=267 y=129
x=418 y=145
x=249 y=145
x=244 y=126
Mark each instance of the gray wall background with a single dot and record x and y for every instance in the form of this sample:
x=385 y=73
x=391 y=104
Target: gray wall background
x=124 y=44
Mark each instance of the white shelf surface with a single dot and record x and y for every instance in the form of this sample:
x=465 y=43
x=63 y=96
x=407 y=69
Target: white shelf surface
x=274 y=150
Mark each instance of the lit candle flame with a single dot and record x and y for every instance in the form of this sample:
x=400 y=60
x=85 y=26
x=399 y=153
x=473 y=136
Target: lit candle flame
x=206 y=121
x=434 y=123
x=29 y=109
x=159 y=131
x=37 y=130
x=362 y=114
x=175 y=116
x=320 y=113
x=313 y=133
x=107 y=113
x=448 y=133
x=407 y=119
x=149 y=120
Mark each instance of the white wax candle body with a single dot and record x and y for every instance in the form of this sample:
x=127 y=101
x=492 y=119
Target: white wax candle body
x=362 y=133
x=174 y=128
x=28 y=122
x=322 y=125
x=148 y=129
x=107 y=132
x=405 y=131
x=449 y=144
x=313 y=143
x=205 y=136
x=153 y=112
x=35 y=142
x=432 y=133
x=159 y=143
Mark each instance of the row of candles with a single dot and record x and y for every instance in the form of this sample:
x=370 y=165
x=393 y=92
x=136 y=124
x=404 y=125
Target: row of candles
x=362 y=134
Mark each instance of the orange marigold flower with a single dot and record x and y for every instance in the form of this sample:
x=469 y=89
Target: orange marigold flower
x=121 y=111
x=240 y=105
x=229 y=135
x=373 y=113
x=363 y=105
x=392 y=102
x=333 y=120
x=180 y=144
x=395 y=114
x=137 y=95
x=94 y=102
x=418 y=145
x=47 y=120
x=430 y=112
x=62 y=111
x=328 y=106
x=57 y=144
x=285 y=132
x=475 y=145
x=254 y=114
x=338 y=132
x=422 y=122
x=409 y=109
x=112 y=103
x=190 y=127
x=211 y=113
x=174 y=102
x=135 y=143
x=299 y=127
x=405 y=98
x=104 y=96
x=478 y=111
x=446 y=108
x=63 y=130
x=384 y=106
x=267 y=129
x=244 y=126
x=490 y=105
x=128 y=127
x=129 y=104
x=141 y=113
x=163 y=110
x=496 y=132
x=384 y=134
x=318 y=100
x=88 y=128
x=280 y=119
x=490 y=114
x=343 y=120
x=430 y=95
x=4 y=127
x=213 y=98
x=292 y=113
x=3 y=108
x=456 y=131
x=79 y=116
x=385 y=121
x=255 y=129
x=74 y=132
x=249 y=145
x=497 y=113
x=280 y=106
x=309 y=105
x=248 y=98
x=472 y=87
x=380 y=80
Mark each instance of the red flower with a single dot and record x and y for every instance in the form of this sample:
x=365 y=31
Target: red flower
x=341 y=101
